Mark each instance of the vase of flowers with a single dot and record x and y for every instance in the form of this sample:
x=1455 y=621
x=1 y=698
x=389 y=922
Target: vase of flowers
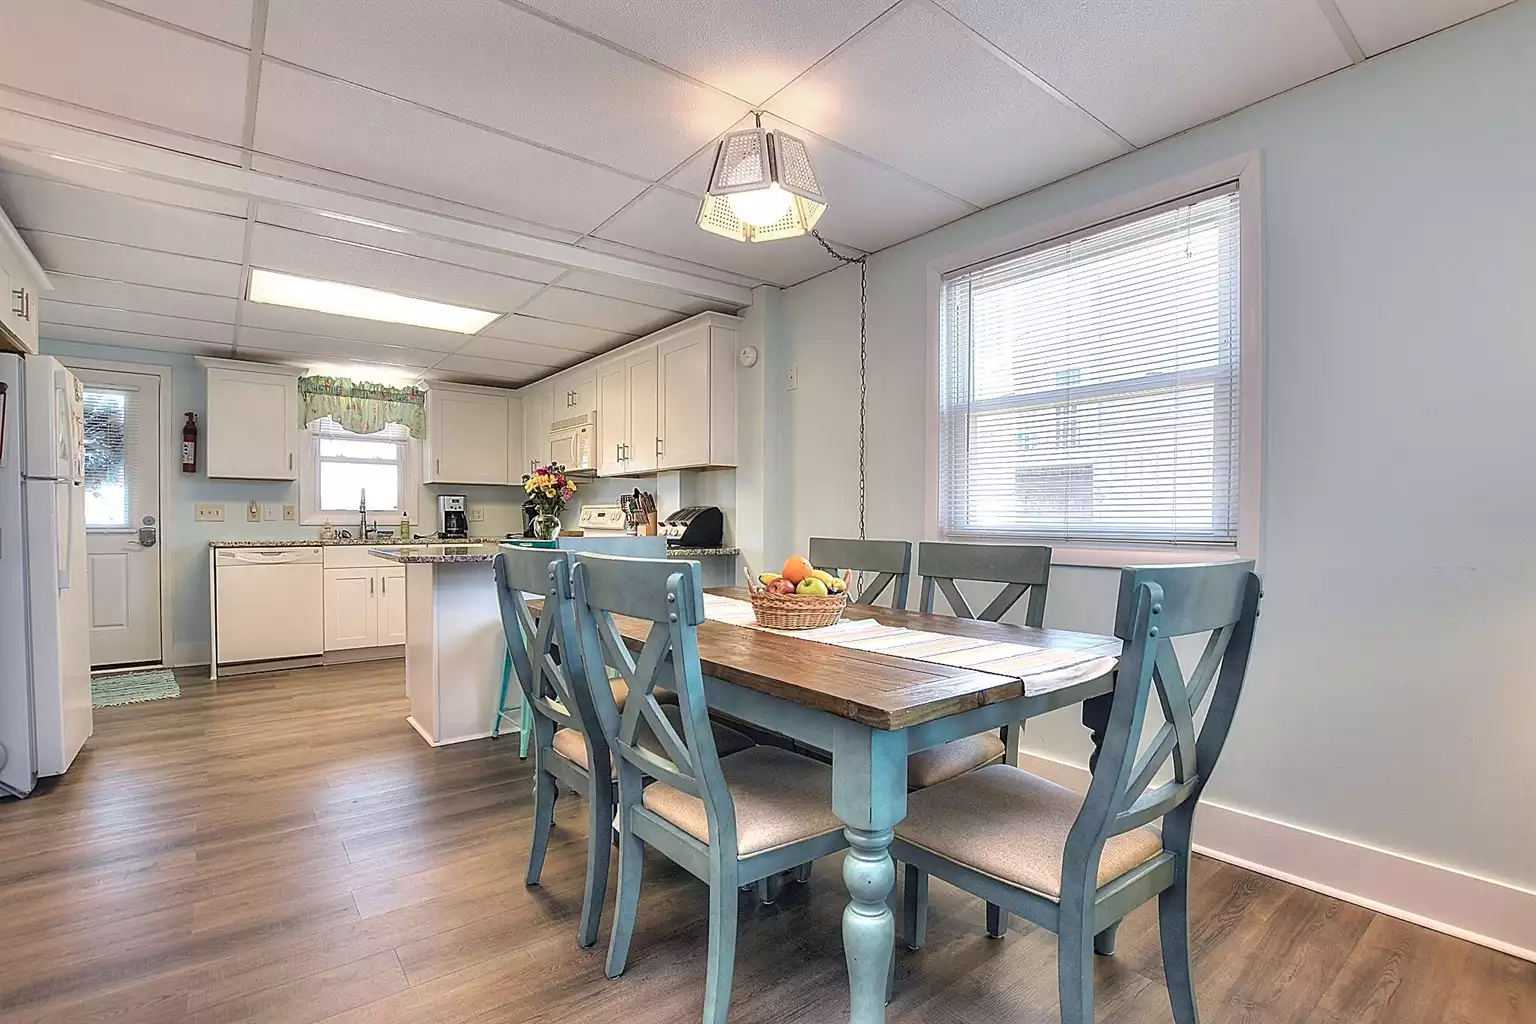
x=550 y=490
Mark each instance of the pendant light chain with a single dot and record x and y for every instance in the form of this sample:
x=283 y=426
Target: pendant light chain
x=863 y=262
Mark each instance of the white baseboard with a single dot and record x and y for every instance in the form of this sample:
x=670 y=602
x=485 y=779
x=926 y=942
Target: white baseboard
x=1480 y=910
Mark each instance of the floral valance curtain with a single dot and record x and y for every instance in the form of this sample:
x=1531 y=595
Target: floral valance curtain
x=361 y=407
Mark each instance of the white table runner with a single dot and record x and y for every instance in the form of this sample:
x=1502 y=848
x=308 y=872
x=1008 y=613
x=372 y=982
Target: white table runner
x=995 y=656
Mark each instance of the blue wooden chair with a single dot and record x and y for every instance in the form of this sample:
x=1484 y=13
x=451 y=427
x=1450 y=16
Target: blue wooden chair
x=890 y=560
x=730 y=820
x=567 y=738
x=1077 y=865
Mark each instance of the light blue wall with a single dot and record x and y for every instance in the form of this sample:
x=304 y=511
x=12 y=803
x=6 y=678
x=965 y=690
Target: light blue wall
x=1389 y=702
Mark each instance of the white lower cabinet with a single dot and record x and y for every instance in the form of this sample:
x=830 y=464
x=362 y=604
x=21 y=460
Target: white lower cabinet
x=364 y=607
x=391 y=606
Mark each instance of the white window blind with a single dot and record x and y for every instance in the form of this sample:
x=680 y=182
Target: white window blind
x=1089 y=385
x=349 y=465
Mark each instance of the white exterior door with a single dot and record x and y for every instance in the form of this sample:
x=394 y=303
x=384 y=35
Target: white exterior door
x=121 y=497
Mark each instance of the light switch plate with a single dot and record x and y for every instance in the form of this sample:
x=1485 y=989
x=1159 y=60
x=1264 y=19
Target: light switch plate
x=210 y=512
x=253 y=513
x=476 y=514
x=288 y=513
x=271 y=511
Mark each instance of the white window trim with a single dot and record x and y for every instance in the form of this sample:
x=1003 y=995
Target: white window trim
x=309 y=486
x=1246 y=171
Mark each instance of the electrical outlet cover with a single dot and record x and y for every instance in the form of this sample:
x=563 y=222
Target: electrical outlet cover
x=210 y=512
x=288 y=513
x=477 y=515
x=794 y=379
x=253 y=512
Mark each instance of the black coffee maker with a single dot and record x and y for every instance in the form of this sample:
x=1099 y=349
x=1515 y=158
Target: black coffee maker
x=530 y=510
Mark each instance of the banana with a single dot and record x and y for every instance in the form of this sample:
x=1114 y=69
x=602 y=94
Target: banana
x=767 y=578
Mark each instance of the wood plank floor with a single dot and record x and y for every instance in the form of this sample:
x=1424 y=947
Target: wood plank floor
x=284 y=848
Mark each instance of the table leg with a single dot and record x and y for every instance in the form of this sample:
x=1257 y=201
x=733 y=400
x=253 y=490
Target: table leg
x=1096 y=719
x=869 y=793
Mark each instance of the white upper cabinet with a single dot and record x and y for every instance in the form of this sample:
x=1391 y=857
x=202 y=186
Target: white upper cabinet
x=538 y=413
x=612 y=417
x=21 y=279
x=469 y=435
x=641 y=384
x=696 y=398
x=575 y=393
x=252 y=422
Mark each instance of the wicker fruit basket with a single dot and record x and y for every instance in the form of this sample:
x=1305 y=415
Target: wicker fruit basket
x=795 y=611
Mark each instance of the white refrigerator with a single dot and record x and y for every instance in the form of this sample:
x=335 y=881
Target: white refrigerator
x=45 y=660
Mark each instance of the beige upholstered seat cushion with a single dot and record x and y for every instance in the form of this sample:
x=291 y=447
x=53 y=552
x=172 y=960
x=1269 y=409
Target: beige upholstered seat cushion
x=780 y=797
x=940 y=764
x=1012 y=825
x=727 y=740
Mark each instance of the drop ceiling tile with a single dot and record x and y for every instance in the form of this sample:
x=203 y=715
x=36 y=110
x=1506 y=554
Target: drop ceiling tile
x=311 y=346
x=41 y=205
x=124 y=183
x=494 y=64
x=229 y=20
x=70 y=314
x=751 y=50
x=666 y=221
x=130 y=339
x=89 y=258
x=1148 y=68
x=109 y=60
x=600 y=311
x=471 y=368
x=329 y=325
x=547 y=356
x=553 y=334
x=665 y=262
x=920 y=93
x=90 y=291
x=1379 y=25
x=294 y=252
x=400 y=240
x=331 y=125
x=868 y=205
x=638 y=291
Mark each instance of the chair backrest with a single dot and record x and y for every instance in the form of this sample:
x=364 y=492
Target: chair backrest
x=546 y=655
x=1025 y=568
x=890 y=559
x=668 y=595
x=1158 y=604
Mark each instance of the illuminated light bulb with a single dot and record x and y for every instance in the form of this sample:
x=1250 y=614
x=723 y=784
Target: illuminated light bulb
x=761 y=207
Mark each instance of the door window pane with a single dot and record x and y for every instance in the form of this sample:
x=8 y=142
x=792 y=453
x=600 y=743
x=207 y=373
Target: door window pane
x=106 y=447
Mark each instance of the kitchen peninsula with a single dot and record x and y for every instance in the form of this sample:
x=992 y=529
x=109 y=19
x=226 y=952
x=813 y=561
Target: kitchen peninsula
x=455 y=650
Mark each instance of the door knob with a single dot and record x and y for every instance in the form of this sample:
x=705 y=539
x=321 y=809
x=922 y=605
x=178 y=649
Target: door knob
x=148 y=536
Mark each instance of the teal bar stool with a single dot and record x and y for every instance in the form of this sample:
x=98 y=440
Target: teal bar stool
x=524 y=712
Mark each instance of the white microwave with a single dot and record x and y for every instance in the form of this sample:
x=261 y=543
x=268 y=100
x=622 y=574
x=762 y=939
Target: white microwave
x=571 y=443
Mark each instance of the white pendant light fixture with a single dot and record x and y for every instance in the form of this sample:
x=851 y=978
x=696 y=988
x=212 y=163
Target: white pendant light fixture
x=762 y=187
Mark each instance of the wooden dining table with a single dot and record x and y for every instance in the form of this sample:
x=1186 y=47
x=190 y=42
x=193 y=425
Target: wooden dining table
x=869 y=711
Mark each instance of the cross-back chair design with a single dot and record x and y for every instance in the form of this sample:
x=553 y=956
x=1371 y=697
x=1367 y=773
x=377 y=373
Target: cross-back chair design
x=890 y=560
x=569 y=743
x=730 y=820
x=1078 y=865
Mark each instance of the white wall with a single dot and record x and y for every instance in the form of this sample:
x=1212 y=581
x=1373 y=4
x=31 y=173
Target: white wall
x=1390 y=701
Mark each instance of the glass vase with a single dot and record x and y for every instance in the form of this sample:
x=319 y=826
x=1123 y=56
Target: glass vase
x=546 y=527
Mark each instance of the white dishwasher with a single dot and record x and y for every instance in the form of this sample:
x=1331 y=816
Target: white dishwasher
x=268 y=603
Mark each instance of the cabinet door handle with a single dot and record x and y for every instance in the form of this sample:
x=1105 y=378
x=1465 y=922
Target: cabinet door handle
x=658 y=446
x=439 y=465
x=290 y=460
x=19 y=302
x=370 y=586
x=384 y=584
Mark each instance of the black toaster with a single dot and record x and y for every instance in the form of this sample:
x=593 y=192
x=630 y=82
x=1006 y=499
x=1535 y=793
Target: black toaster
x=702 y=526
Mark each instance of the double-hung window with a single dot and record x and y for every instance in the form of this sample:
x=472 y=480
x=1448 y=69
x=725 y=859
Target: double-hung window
x=349 y=467
x=1089 y=385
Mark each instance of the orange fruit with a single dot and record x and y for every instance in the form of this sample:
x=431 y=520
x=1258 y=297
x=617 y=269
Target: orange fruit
x=796 y=569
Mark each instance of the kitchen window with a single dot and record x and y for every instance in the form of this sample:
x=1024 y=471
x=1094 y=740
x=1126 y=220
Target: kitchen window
x=344 y=467
x=1090 y=386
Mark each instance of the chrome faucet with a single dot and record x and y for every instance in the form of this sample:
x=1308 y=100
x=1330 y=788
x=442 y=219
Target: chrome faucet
x=362 y=514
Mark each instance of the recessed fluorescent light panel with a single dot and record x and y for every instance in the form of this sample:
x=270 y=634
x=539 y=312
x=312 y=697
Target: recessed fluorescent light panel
x=367 y=303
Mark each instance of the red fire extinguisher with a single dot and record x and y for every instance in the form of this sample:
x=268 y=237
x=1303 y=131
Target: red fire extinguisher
x=189 y=445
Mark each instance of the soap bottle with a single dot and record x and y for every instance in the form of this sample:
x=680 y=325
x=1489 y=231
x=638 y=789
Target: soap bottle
x=405 y=526
x=327 y=531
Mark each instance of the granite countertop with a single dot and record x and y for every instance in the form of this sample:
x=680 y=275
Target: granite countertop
x=318 y=543
x=396 y=555
x=700 y=552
